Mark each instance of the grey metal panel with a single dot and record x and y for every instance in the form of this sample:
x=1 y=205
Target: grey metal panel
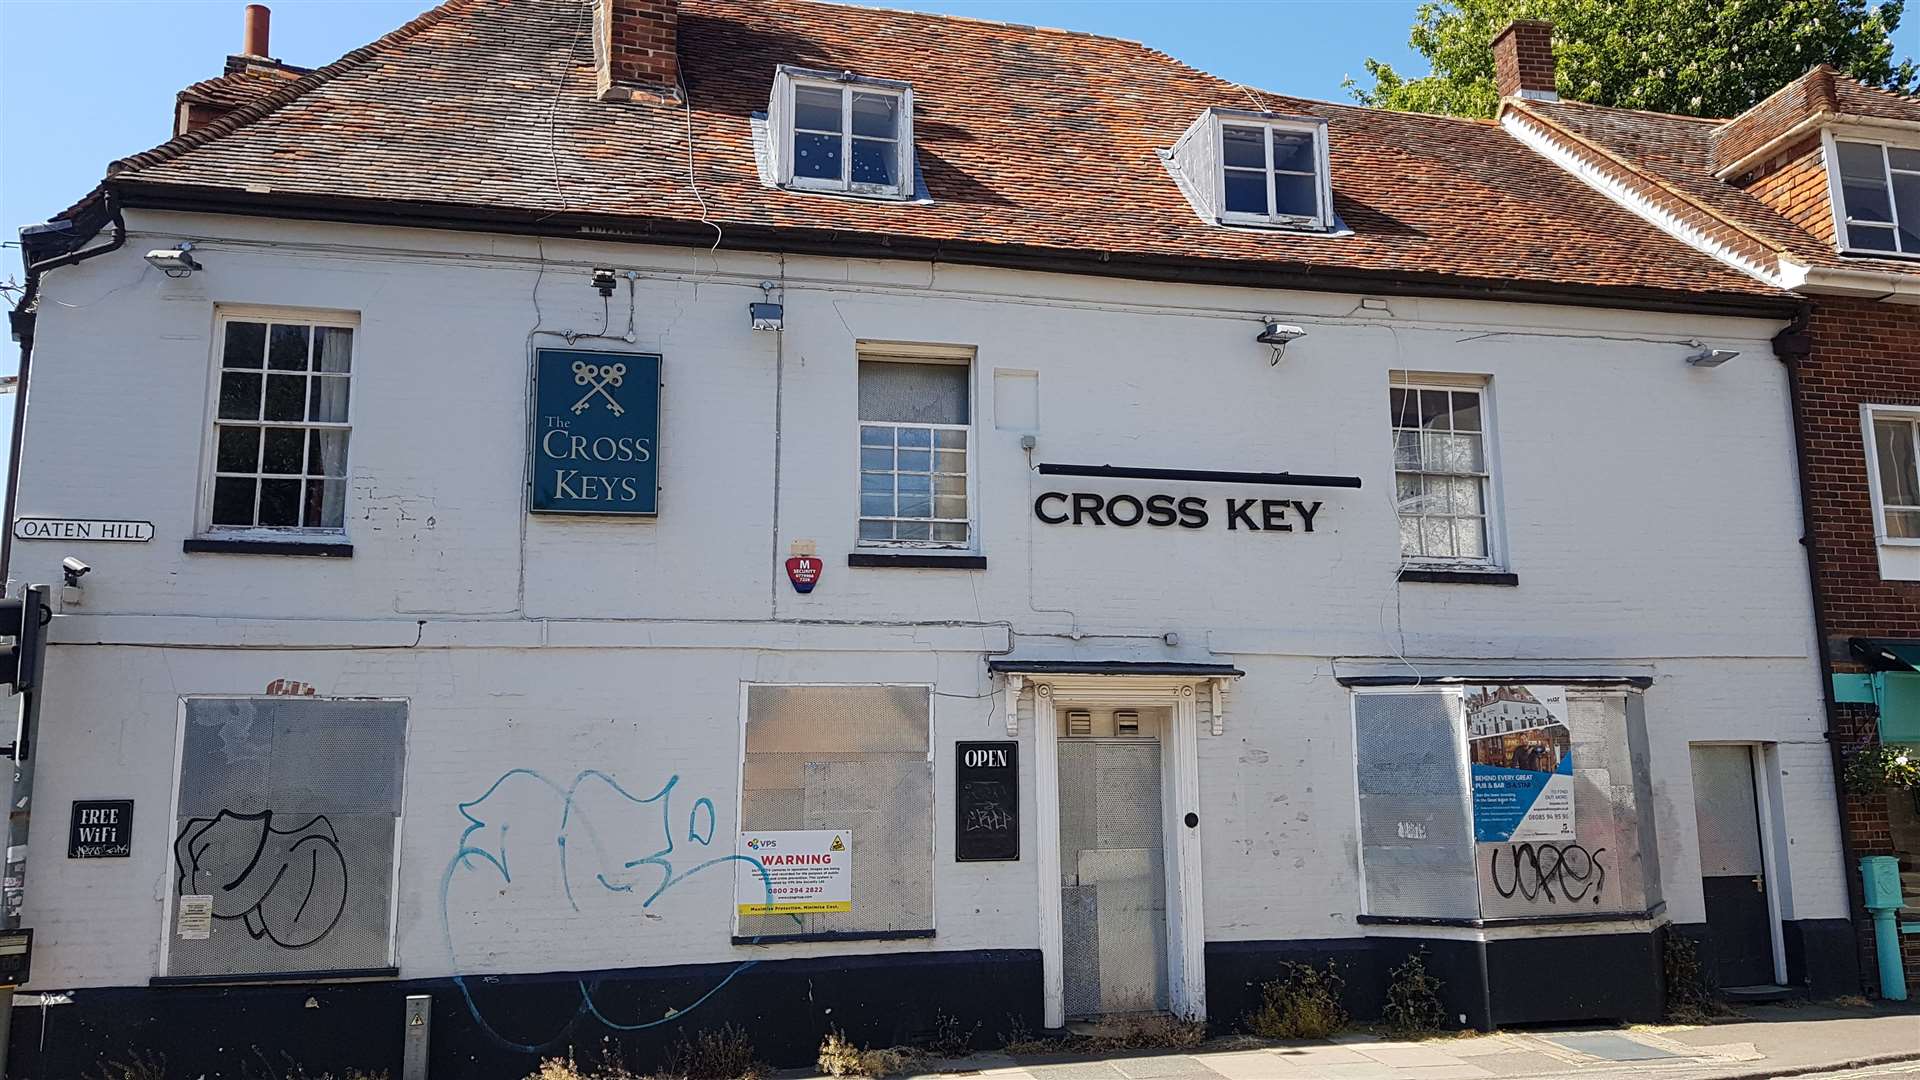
x=1111 y=838
x=1078 y=818
x=1725 y=810
x=288 y=808
x=1600 y=868
x=852 y=758
x=1651 y=892
x=1080 y=948
x=1415 y=827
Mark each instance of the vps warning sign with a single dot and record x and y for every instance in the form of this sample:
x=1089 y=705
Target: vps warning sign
x=794 y=873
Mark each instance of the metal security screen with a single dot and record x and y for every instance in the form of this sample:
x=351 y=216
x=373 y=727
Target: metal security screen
x=1416 y=835
x=850 y=758
x=284 y=840
x=1601 y=868
x=1112 y=876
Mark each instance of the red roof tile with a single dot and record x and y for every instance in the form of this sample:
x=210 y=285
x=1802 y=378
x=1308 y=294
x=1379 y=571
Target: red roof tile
x=237 y=88
x=1029 y=139
x=1679 y=153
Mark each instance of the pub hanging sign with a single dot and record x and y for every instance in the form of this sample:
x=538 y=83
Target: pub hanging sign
x=596 y=430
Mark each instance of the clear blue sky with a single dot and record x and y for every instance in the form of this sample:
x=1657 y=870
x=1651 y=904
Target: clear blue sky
x=83 y=82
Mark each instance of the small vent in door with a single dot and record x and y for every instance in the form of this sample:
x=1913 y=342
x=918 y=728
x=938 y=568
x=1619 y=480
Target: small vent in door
x=1126 y=722
x=1079 y=722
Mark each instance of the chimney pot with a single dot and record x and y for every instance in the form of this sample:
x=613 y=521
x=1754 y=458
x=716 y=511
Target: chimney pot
x=1523 y=64
x=256 y=25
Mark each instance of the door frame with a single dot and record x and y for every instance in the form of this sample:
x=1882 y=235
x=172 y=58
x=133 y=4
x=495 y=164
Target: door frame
x=1180 y=795
x=1758 y=754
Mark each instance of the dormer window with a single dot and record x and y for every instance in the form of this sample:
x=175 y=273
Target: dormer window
x=842 y=132
x=1261 y=169
x=1876 y=197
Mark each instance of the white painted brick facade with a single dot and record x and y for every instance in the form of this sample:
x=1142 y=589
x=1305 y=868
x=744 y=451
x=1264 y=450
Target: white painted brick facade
x=1649 y=506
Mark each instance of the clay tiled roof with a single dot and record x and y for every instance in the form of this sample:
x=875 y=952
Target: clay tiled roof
x=1821 y=91
x=1035 y=141
x=237 y=88
x=1781 y=209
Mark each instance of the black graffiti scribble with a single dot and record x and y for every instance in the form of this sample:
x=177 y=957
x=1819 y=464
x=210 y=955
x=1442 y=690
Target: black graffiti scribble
x=1541 y=869
x=286 y=885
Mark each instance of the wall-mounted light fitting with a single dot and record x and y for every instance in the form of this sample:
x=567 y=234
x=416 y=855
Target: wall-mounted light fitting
x=1278 y=335
x=603 y=281
x=1705 y=357
x=768 y=315
x=176 y=261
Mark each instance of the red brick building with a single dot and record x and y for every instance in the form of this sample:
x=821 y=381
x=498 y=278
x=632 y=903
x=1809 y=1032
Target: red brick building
x=1816 y=190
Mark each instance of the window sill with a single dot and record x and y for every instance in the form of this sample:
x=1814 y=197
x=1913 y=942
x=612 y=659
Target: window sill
x=278 y=977
x=840 y=935
x=1444 y=576
x=1521 y=920
x=917 y=560
x=213 y=545
x=1252 y=221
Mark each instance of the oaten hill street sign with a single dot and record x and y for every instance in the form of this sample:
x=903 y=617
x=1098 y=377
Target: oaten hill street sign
x=50 y=528
x=596 y=426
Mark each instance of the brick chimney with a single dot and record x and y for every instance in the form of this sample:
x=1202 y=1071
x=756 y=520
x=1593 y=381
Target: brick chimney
x=636 y=49
x=1523 y=60
x=255 y=31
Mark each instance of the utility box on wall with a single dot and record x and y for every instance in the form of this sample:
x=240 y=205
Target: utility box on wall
x=1881 y=875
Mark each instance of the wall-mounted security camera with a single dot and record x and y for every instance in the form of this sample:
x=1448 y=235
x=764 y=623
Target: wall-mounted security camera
x=71 y=593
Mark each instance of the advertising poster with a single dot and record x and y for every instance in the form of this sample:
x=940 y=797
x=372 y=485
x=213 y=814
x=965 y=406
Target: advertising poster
x=794 y=873
x=1522 y=762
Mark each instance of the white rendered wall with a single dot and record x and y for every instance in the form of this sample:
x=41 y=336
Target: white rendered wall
x=1649 y=506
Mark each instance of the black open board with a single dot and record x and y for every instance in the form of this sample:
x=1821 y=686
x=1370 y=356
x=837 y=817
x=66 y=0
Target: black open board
x=986 y=805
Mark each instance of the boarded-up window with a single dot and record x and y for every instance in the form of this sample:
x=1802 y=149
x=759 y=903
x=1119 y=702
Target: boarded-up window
x=1502 y=801
x=1415 y=831
x=284 y=841
x=852 y=759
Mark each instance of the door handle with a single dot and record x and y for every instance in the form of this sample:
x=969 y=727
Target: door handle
x=1759 y=883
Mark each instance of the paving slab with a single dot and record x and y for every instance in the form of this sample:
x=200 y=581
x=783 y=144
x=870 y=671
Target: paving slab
x=1409 y=1055
x=1363 y=1070
x=1250 y=1065
x=1612 y=1046
x=1170 y=1067
x=1321 y=1054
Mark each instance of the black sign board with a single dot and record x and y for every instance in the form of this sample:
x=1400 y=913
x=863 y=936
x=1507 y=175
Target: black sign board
x=16 y=956
x=101 y=829
x=986 y=805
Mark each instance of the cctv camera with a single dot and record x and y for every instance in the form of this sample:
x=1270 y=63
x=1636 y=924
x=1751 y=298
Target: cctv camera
x=74 y=567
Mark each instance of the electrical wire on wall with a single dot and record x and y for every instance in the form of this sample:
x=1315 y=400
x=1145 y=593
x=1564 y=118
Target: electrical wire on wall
x=1398 y=639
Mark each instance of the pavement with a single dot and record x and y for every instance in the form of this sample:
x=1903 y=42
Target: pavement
x=1830 y=1042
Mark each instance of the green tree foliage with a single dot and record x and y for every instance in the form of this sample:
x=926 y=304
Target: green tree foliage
x=1699 y=57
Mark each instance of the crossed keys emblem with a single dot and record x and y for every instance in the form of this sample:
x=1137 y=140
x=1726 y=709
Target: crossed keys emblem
x=598 y=377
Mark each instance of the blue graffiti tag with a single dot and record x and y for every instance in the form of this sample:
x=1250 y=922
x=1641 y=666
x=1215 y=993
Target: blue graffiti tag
x=474 y=855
